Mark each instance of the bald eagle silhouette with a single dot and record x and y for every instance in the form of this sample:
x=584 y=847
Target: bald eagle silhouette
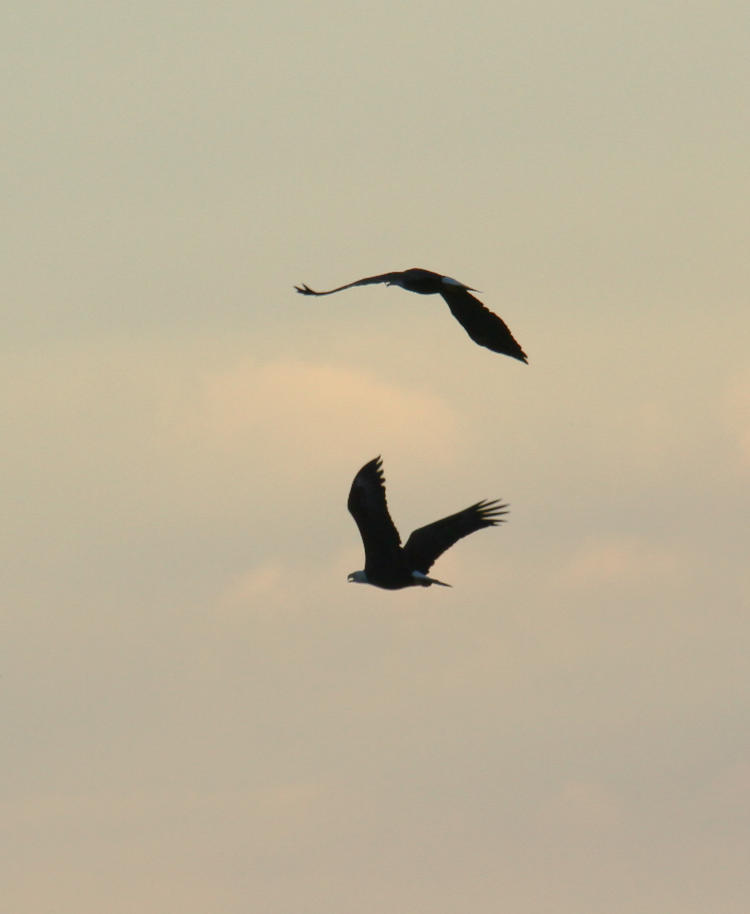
x=390 y=565
x=484 y=327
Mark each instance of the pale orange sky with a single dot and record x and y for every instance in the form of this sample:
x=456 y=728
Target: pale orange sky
x=200 y=713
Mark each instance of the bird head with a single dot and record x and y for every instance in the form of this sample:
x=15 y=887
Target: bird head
x=357 y=577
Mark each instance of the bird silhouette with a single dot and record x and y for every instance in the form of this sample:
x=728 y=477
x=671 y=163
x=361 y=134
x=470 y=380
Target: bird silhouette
x=390 y=565
x=484 y=327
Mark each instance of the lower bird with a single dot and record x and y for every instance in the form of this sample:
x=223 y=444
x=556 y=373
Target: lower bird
x=390 y=565
x=484 y=327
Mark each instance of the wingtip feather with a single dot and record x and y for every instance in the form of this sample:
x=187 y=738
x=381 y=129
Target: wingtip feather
x=492 y=511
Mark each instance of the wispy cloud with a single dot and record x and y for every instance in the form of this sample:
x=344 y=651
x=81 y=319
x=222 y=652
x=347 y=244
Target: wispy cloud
x=620 y=563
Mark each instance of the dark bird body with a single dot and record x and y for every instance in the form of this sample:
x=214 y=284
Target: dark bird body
x=390 y=565
x=479 y=322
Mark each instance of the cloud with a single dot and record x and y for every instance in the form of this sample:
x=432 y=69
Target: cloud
x=736 y=414
x=618 y=562
x=197 y=425
x=322 y=411
x=257 y=585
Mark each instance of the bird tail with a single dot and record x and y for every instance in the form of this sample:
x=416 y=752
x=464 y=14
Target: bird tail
x=423 y=581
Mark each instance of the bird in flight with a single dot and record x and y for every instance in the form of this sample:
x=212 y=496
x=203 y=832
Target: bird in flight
x=479 y=322
x=390 y=565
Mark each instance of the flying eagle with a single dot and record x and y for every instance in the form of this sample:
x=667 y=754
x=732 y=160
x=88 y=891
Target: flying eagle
x=390 y=565
x=479 y=322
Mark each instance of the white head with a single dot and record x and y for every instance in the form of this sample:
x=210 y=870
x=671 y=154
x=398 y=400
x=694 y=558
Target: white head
x=357 y=577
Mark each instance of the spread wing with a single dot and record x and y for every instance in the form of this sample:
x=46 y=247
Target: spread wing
x=368 y=507
x=480 y=323
x=425 y=545
x=368 y=280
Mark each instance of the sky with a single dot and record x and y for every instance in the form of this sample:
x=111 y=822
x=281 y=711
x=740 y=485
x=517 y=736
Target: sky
x=199 y=712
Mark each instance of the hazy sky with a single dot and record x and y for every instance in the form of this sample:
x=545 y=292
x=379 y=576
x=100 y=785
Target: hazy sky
x=199 y=713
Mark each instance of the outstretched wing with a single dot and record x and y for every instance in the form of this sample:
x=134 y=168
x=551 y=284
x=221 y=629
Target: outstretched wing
x=425 y=545
x=368 y=507
x=480 y=323
x=368 y=280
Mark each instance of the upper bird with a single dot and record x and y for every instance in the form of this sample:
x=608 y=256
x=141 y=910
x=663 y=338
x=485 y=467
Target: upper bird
x=387 y=563
x=479 y=322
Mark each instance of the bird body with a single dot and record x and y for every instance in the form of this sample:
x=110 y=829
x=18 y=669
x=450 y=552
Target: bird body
x=482 y=325
x=390 y=565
